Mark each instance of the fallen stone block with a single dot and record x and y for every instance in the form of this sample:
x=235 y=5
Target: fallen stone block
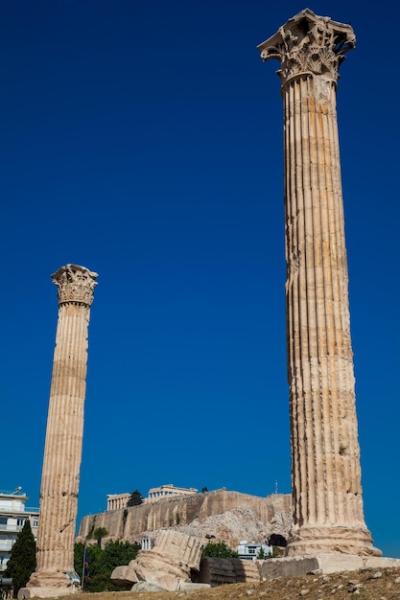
x=45 y=592
x=222 y=571
x=185 y=586
x=146 y=586
x=124 y=574
x=168 y=564
x=298 y=566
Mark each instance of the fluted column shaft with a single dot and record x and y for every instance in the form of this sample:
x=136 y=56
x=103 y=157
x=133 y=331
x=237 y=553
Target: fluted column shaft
x=327 y=496
x=64 y=434
x=326 y=464
x=63 y=448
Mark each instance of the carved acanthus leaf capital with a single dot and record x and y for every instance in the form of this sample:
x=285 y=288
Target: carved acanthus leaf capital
x=308 y=43
x=75 y=284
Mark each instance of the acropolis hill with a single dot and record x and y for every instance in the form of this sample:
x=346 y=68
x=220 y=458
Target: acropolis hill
x=229 y=516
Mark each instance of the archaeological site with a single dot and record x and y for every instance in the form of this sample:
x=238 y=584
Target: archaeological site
x=322 y=522
x=222 y=515
x=64 y=434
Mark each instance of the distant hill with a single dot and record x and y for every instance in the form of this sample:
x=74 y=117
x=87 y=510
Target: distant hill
x=223 y=515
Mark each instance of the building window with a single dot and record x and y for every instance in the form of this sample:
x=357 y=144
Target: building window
x=20 y=522
x=3 y=520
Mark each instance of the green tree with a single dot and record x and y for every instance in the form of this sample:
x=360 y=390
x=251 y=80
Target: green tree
x=262 y=555
x=135 y=498
x=100 y=563
x=219 y=550
x=99 y=533
x=22 y=562
x=204 y=490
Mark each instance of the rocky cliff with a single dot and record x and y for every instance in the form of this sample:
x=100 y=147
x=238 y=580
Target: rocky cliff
x=228 y=516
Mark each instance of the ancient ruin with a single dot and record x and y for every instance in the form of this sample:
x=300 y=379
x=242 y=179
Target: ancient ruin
x=167 y=565
x=225 y=571
x=63 y=447
x=327 y=495
x=329 y=531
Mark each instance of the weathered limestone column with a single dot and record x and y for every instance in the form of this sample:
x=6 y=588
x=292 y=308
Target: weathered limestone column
x=63 y=447
x=327 y=494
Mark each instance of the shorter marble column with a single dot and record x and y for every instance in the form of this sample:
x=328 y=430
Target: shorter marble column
x=54 y=574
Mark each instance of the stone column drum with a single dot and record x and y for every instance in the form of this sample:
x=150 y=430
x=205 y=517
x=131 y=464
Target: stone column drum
x=63 y=447
x=327 y=494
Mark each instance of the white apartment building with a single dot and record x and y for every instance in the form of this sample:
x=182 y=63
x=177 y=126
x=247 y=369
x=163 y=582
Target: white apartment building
x=13 y=514
x=250 y=551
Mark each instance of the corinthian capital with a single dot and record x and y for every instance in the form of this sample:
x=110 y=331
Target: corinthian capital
x=75 y=284
x=309 y=44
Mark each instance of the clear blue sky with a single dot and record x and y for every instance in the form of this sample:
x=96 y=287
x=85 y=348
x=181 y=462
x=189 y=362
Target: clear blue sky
x=144 y=140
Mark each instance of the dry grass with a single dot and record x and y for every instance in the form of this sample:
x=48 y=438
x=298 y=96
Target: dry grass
x=361 y=585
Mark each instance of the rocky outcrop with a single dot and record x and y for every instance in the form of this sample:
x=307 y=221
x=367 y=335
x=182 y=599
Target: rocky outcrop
x=238 y=524
x=227 y=516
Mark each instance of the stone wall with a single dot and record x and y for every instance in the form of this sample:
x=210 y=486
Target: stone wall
x=272 y=514
x=223 y=571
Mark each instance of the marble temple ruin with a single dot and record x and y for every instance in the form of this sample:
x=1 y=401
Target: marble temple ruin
x=327 y=494
x=63 y=447
x=328 y=515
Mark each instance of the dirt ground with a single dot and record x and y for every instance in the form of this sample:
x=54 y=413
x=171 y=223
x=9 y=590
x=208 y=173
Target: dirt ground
x=361 y=585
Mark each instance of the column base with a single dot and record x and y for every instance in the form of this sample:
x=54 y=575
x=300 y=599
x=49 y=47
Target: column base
x=322 y=540
x=323 y=564
x=50 y=585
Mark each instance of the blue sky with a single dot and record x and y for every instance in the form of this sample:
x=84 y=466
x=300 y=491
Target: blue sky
x=144 y=140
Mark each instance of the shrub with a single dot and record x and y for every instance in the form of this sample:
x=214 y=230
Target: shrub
x=100 y=563
x=219 y=550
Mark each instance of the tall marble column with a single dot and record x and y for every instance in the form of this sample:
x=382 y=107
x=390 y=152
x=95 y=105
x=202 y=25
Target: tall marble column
x=63 y=447
x=327 y=494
